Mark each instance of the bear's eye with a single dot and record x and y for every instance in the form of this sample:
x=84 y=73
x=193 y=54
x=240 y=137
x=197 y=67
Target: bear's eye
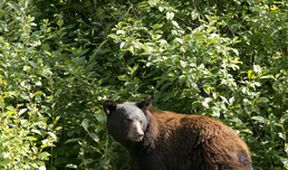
x=140 y=121
x=129 y=120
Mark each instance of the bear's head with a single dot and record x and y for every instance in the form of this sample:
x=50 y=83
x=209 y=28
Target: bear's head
x=127 y=122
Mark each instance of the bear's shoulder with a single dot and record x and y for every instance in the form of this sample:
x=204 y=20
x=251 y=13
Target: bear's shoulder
x=187 y=126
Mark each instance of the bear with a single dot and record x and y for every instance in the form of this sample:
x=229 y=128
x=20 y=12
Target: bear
x=163 y=140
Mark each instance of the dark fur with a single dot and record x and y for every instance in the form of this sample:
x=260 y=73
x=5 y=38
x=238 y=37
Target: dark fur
x=188 y=142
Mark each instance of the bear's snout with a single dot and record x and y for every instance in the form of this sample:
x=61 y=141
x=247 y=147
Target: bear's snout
x=135 y=133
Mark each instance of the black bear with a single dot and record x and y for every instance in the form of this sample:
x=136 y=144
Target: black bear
x=161 y=140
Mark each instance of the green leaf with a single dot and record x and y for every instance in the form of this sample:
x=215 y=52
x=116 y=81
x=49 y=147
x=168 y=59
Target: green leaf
x=119 y=32
x=94 y=137
x=250 y=74
x=123 y=77
x=263 y=100
x=73 y=140
x=72 y=166
x=85 y=124
x=170 y=15
x=60 y=22
x=26 y=68
x=22 y=111
x=260 y=119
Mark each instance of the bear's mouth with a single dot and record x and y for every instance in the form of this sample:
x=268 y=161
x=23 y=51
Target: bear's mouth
x=136 y=138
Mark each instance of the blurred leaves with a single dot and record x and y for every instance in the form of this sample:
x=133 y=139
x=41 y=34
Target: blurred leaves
x=60 y=59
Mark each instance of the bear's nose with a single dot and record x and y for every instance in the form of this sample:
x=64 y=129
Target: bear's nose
x=140 y=134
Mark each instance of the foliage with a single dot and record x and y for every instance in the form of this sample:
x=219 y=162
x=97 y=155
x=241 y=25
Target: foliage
x=27 y=102
x=60 y=59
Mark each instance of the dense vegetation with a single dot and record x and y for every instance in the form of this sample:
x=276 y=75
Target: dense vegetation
x=59 y=59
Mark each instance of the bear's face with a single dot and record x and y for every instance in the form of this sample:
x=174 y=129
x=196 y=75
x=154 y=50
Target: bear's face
x=126 y=122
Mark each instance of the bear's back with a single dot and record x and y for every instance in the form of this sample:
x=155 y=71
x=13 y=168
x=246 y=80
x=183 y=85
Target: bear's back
x=196 y=142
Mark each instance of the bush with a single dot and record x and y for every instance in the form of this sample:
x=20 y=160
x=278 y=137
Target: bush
x=60 y=59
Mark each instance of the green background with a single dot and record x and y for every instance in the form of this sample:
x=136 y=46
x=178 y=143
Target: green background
x=60 y=59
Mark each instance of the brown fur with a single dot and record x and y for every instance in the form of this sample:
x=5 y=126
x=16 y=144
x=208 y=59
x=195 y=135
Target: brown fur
x=179 y=141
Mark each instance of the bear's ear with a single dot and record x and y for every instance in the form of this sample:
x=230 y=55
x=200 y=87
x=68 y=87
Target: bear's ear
x=146 y=103
x=109 y=106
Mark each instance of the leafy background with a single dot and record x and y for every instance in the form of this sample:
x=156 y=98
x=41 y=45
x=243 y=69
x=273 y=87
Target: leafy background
x=60 y=59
